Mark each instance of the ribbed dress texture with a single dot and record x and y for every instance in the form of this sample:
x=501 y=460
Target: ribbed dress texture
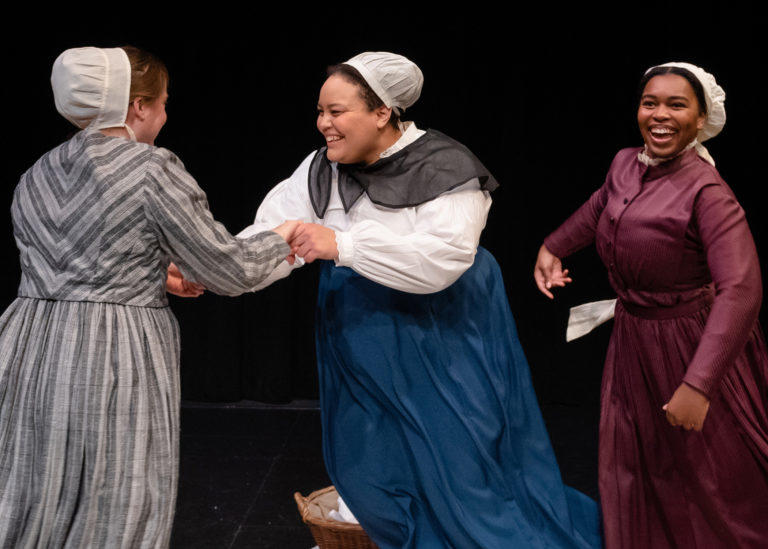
x=89 y=351
x=681 y=258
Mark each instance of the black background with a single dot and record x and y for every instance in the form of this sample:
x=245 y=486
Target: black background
x=544 y=103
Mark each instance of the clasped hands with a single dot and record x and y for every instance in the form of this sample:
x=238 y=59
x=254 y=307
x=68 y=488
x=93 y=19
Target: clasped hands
x=309 y=241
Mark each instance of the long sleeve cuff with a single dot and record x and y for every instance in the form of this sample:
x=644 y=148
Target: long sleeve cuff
x=345 y=245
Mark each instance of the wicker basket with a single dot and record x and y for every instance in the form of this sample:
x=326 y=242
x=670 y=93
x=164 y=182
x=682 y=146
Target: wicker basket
x=329 y=533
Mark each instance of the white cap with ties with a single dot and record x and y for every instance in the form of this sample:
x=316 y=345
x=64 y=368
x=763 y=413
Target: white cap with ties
x=91 y=87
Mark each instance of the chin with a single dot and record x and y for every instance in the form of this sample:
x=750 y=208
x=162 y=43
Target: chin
x=341 y=158
x=665 y=154
x=660 y=153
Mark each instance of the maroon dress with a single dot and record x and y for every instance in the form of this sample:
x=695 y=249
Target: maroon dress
x=682 y=260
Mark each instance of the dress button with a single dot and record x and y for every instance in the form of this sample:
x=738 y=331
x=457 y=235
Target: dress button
x=626 y=200
x=610 y=243
x=610 y=266
x=613 y=220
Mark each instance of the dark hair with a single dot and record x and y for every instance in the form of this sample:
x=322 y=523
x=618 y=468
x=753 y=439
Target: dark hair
x=698 y=89
x=369 y=97
x=149 y=77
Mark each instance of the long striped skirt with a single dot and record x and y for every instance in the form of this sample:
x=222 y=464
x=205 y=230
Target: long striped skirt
x=89 y=400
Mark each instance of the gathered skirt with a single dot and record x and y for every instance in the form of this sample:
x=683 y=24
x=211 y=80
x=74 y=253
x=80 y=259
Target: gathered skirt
x=89 y=422
x=432 y=432
x=662 y=486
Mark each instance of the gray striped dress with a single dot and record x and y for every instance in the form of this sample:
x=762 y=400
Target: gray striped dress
x=89 y=351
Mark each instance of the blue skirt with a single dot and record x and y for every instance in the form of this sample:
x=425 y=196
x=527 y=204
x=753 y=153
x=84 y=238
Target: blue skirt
x=431 y=429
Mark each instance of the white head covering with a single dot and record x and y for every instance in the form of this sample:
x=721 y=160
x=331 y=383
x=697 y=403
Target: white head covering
x=91 y=87
x=715 y=99
x=395 y=79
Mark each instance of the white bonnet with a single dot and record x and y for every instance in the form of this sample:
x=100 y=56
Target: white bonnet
x=91 y=86
x=713 y=95
x=395 y=79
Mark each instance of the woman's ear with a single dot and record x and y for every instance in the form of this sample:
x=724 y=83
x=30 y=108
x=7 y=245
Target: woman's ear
x=383 y=114
x=137 y=110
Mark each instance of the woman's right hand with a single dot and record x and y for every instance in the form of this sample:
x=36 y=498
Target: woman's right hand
x=549 y=272
x=176 y=284
x=287 y=229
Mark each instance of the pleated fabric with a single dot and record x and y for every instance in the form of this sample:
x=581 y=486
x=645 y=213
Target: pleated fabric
x=431 y=429
x=674 y=488
x=88 y=424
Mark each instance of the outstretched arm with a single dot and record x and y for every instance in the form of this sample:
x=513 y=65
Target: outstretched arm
x=202 y=248
x=438 y=251
x=289 y=199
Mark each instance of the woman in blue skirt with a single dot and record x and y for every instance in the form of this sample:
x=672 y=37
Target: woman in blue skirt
x=431 y=429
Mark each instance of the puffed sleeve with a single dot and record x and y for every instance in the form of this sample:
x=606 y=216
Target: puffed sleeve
x=201 y=247
x=288 y=200
x=440 y=249
x=735 y=269
x=578 y=231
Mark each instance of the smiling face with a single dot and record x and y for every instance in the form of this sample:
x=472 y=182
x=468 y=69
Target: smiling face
x=352 y=132
x=669 y=115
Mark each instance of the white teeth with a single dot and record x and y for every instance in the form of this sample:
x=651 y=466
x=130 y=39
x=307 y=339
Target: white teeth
x=661 y=131
x=332 y=138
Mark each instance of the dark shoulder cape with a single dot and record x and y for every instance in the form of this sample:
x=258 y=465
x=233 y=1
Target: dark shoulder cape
x=418 y=173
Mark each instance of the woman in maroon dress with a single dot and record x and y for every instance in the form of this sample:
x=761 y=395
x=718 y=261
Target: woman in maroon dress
x=683 y=428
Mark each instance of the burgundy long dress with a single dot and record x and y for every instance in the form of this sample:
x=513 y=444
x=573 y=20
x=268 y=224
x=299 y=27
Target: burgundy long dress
x=682 y=260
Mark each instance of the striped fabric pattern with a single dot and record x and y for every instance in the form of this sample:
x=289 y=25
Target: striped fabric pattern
x=89 y=351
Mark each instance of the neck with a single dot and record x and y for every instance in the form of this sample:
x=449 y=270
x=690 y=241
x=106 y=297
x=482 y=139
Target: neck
x=646 y=157
x=388 y=137
x=124 y=132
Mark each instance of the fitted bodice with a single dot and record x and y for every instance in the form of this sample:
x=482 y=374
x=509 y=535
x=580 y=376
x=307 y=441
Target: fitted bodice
x=647 y=233
x=81 y=227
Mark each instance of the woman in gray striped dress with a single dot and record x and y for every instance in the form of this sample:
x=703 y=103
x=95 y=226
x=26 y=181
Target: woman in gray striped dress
x=89 y=351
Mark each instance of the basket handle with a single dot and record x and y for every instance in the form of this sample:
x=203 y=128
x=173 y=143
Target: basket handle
x=301 y=502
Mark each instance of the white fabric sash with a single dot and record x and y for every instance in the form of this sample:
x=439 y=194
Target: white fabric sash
x=585 y=318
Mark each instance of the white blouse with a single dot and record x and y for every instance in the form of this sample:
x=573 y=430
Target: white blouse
x=422 y=249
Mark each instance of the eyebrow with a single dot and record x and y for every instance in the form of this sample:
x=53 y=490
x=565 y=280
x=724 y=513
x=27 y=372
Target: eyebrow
x=671 y=97
x=319 y=106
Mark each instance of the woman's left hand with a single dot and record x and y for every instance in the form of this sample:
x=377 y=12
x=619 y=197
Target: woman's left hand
x=312 y=241
x=549 y=273
x=687 y=408
x=176 y=284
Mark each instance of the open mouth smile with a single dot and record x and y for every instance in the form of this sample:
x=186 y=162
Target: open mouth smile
x=662 y=134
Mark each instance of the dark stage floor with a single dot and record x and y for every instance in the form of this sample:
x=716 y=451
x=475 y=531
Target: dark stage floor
x=241 y=465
